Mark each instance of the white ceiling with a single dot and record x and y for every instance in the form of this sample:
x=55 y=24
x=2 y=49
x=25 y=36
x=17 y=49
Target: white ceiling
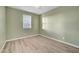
x=35 y=9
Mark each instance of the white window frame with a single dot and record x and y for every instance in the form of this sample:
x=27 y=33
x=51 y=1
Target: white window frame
x=27 y=21
x=44 y=23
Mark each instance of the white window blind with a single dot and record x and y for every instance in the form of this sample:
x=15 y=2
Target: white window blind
x=27 y=22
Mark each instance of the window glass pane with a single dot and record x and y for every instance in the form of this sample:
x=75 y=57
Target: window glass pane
x=26 y=21
x=44 y=22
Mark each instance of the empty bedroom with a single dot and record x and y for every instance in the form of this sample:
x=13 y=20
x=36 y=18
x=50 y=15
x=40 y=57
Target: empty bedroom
x=39 y=29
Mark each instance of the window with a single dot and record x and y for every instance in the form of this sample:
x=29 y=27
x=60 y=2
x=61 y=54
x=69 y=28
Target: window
x=44 y=22
x=26 y=21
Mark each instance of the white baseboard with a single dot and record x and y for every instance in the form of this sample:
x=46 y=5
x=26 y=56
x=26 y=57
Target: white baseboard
x=22 y=37
x=2 y=47
x=61 y=41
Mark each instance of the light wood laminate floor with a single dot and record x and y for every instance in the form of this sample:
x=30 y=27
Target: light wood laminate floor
x=37 y=44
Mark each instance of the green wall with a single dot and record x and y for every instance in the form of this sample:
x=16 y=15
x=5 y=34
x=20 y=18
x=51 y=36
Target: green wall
x=2 y=26
x=15 y=24
x=62 y=24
